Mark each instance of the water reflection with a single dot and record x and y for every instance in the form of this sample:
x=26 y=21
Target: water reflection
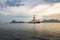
x=46 y=31
x=42 y=31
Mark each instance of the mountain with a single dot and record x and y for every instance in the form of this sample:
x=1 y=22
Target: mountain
x=51 y=18
x=50 y=21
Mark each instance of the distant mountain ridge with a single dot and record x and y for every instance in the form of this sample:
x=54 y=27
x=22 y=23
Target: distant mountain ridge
x=52 y=18
x=50 y=21
x=17 y=21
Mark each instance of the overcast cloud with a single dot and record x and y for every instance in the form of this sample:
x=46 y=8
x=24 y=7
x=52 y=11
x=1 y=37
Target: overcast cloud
x=24 y=9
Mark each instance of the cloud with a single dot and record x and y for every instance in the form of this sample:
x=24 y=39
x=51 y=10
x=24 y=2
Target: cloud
x=24 y=9
x=42 y=10
x=53 y=16
x=31 y=3
x=52 y=1
x=26 y=2
x=14 y=3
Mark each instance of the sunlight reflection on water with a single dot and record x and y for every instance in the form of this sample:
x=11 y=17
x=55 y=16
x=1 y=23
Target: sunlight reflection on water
x=46 y=30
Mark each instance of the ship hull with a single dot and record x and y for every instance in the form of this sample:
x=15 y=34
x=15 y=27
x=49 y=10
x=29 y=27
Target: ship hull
x=34 y=22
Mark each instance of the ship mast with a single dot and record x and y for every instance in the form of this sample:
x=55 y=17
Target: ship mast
x=33 y=17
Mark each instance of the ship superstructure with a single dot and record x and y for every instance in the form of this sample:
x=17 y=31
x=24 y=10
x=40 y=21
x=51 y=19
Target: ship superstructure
x=34 y=20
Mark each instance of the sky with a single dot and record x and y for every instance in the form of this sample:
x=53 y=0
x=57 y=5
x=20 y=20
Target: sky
x=23 y=10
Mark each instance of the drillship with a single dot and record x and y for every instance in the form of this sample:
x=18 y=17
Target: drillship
x=34 y=20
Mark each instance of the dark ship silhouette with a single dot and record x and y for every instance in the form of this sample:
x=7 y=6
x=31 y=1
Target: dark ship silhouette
x=34 y=20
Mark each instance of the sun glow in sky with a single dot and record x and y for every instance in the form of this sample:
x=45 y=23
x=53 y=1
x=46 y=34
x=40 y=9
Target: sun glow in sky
x=25 y=9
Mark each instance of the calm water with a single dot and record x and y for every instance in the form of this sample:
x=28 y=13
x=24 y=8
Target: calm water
x=22 y=31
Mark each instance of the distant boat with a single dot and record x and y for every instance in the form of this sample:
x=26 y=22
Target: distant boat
x=17 y=21
x=34 y=20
